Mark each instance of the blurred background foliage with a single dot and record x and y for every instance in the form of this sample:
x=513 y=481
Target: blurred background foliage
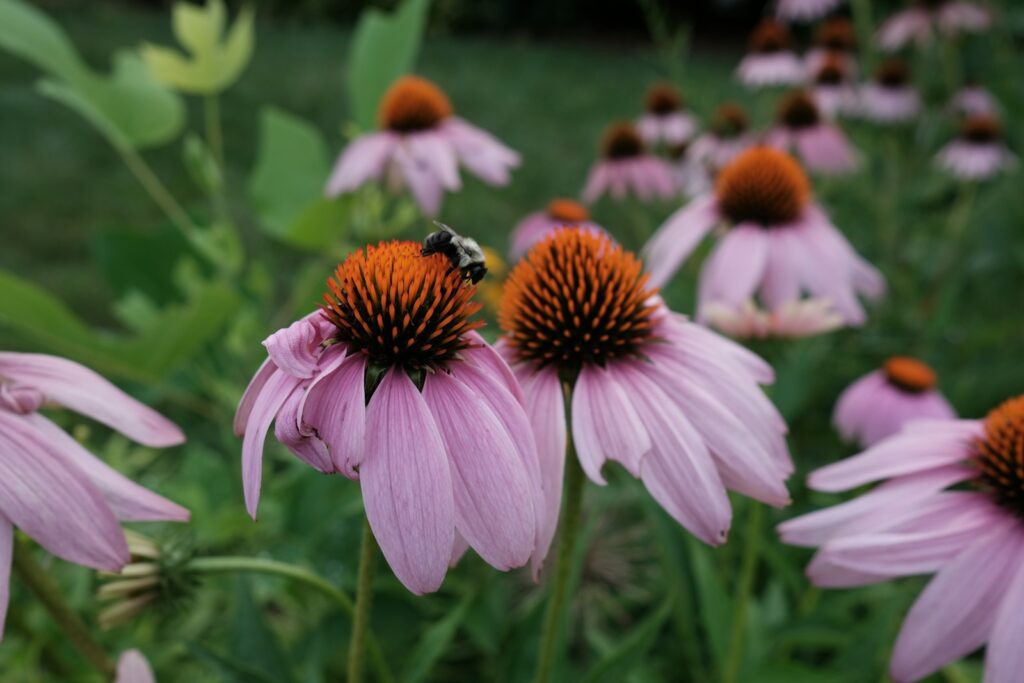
x=173 y=305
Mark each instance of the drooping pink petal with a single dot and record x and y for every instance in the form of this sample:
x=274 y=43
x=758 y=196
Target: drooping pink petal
x=605 y=423
x=77 y=387
x=425 y=187
x=265 y=408
x=733 y=271
x=364 y=159
x=407 y=484
x=488 y=358
x=780 y=284
x=54 y=504
x=6 y=553
x=955 y=613
x=480 y=152
x=678 y=237
x=459 y=548
x=430 y=150
x=129 y=501
x=245 y=404
x=1004 y=660
x=335 y=408
x=598 y=179
x=853 y=408
x=700 y=341
x=493 y=497
x=679 y=471
x=132 y=667
x=297 y=437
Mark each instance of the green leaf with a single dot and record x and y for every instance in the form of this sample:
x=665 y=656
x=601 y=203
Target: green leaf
x=128 y=107
x=286 y=186
x=253 y=642
x=214 y=61
x=140 y=262
x=231 y=670
x=435 y=641
x=383 y=49
x=715 y=606
x=615 y=665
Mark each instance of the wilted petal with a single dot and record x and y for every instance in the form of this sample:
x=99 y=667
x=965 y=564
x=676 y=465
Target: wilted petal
x=335 y=408
x=245 y=404
x=265 y=408
x=295 y=349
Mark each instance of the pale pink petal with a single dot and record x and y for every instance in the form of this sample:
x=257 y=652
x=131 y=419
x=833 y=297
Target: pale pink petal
x=363 y=159
x=297 y=437
x=528 y=231
x=597 y=182
x=6 y=552
x=493 y=496
x=429 y=149
x=77 y=387
x=780 y=284
x=955 y=613
x=481 y=152
x=825 y=149
x=55 y=504
x=425 y=186
x=492 y=362
x=335 y=408
x=295 y=349
x=459 y=548
x=132 y=667
x=605 y=423
x=129 y=501
x=256 y=385
x=700 y=341
x=678 y=237
x=407 y=484
x=264 y=409
x=733 y=271
x=1004 y=660
x=853 y=409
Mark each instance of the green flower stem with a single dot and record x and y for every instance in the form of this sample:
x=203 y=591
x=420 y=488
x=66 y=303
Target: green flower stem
x=364 y=603
x=865 y=27
x=229 y=565
x=744 y=593
x=49 y=594
x=569 y=530
x=157 y=191
x=214 y=137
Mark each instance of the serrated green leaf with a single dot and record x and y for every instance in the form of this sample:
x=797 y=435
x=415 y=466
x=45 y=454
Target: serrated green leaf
x=214 y=60
x=383 y=49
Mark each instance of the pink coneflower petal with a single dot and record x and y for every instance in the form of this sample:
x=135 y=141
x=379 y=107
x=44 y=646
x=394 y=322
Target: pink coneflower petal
x=910 y=25
x=295 y=349
x=55 y=504
x=77 y=387
x=605 y=423
x=872 y=511
x=132 y=667
x=481 y=152
x=912 y=450
x=6 y=553
x=426 y=187
x=678 y=237
x=679 y=471
x=252 y=391
x=407 y=484
x=364 y=159
x=734 y=270
x=492 y=492
x=129 y=501
x=335 y=405
x=429 y=150
x=459 y=548
x=955 y=614
x=265 y=407
x=303 y=443
x=1004 y=657
x=488 y=358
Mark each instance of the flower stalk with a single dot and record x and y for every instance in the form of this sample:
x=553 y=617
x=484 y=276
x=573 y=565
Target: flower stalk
x=363 y=606
x=744 y=592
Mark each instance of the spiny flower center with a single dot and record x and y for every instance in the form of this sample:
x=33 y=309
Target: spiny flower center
x=769 y=36
x=576 y=299
x=663 y=98
x=981 y=129
x=909 y=374
x=730 y=121
x=568 y=211
x=892 y=73
x=412 y=104
x=621 y=141
x=401 y=308
x=999 y=456
x=798 y=110
x=764 y=186
x=837 y=34
x=831 y=72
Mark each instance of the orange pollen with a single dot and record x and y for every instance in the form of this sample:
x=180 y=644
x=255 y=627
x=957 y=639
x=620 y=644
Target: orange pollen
x=909 y=374
x=568 y=211
x=729 y=121
x=999 y=455
x=798 y=110
x=401 y=308
x=663 y=98
x=622 y=141
x=769 y=36
x=981 y=129
x=411 y=104
x=837 y=33
x=762 y=185
x=892 y=73
x=576 y=299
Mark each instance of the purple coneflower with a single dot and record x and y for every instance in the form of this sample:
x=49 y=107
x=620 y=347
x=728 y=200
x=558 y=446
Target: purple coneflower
x=834 y=40
x=919 y=22
x=978 y=153
x=880 y=403
x=132 y=667
x=770 y=59
x=390 y=385
x=776 y=241
x=727 y=137
x=538 y=225
x=820 y=144
x=420 y=146
x=58 y=493
x=800 y=318
x=952 y=505
x=675 y=404
x=666 y=121
x=626 y=166
x=804 y=10
x=832 y=88
x=974 y=99
x=889 y=98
